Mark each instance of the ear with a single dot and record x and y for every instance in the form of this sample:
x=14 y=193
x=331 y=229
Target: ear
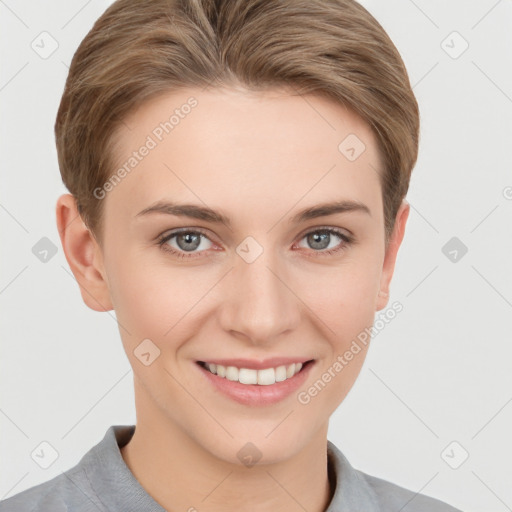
x=83 y=254
x=391 y=253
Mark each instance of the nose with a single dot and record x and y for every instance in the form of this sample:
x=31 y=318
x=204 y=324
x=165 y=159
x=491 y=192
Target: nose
x=259 y=303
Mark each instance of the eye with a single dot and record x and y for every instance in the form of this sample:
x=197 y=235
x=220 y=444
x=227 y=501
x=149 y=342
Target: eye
x=190 y=243
x=185 y=243
x=323 y=240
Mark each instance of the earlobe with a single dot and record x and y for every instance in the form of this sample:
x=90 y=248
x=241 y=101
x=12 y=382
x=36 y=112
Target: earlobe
x=391 y=254
x=83 y=255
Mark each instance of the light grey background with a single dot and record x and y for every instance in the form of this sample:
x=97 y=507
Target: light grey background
x=439 y=372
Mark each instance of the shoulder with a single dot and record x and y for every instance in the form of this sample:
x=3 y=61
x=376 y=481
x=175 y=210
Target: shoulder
x=392 y=497
x=66 y=492
x=356 y=490
x=99 y=482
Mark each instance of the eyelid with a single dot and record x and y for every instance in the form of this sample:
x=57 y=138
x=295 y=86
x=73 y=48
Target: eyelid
x=338 y=230
x=311 y=229
x=189 y=229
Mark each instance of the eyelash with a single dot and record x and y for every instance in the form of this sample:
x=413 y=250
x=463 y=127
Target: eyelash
x=163 y=239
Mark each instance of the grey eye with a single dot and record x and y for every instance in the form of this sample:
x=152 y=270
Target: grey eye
x=319 y=240
x=188 y=241
x=322 y=239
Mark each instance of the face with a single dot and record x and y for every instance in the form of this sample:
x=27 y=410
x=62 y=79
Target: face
x=258 y=267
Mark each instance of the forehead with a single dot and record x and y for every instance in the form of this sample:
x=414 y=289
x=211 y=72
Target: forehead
x=266 y=150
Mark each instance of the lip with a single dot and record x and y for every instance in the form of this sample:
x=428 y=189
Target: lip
x=254 y=394
x=253 y=364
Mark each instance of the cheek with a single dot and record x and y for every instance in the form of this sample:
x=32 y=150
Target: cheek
x=343 y=296
x=154 y=301
x=141 y=296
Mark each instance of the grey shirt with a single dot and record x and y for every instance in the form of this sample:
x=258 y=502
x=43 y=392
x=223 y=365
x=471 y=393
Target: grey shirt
x=102 y=482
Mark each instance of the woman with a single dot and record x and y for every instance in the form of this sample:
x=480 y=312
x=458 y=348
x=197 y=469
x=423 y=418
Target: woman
x=237 y=173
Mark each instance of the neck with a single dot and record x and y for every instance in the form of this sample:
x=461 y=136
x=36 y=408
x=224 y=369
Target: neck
x=179 y=474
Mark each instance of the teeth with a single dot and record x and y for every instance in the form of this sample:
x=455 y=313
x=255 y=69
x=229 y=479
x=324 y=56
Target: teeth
x=246 y=376
x=263 y=377
x=281 y=373
x=232 y=373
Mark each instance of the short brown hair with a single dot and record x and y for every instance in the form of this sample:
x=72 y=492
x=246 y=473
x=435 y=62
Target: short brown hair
x=137 y=50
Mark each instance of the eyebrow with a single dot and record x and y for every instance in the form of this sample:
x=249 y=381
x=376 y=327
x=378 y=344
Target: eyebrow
x=207 y=214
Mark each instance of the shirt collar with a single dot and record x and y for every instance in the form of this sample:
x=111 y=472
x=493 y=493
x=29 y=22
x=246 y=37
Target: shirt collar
x=118 y=488
x=110 y=477
x=352 y=491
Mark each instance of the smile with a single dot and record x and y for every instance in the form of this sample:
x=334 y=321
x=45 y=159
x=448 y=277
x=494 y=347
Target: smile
x=262 y=377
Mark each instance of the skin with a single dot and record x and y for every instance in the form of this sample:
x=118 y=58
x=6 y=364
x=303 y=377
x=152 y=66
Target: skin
x=258 y=158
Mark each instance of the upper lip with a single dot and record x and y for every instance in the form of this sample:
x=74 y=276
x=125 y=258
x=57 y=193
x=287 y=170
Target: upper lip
x=261 y=364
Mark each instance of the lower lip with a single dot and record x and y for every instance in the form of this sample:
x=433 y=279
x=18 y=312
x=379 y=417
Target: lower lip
x=254 y=394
